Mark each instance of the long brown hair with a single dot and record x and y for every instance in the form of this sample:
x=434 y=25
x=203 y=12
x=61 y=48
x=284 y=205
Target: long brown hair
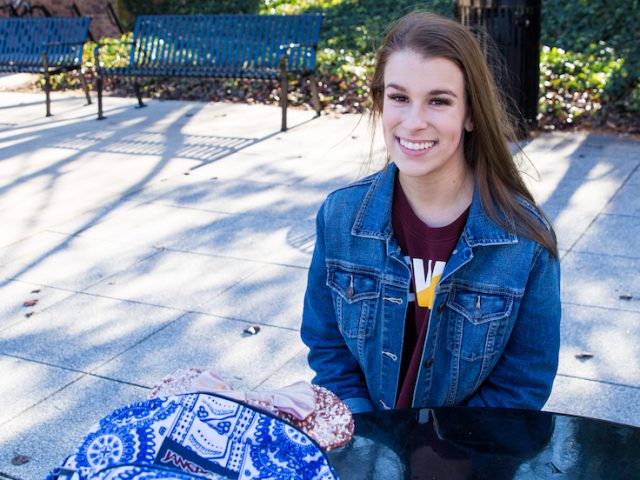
x=486 y=147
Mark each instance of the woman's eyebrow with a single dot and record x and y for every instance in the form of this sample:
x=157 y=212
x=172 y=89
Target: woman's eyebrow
x=444 y=91
x=437 y=91
x=395 y=86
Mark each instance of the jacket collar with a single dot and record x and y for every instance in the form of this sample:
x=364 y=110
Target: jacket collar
x=374 y=217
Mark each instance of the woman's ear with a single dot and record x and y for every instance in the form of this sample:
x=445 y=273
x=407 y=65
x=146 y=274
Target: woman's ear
x=468 y=124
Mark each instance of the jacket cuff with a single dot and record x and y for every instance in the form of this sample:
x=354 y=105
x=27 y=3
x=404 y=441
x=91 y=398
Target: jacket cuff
x=359 y=405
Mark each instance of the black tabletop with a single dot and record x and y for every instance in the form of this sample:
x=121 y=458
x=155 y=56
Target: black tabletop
x=482 y=443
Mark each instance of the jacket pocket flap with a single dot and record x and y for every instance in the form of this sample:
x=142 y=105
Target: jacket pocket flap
x=353 y=284
x=480 y=307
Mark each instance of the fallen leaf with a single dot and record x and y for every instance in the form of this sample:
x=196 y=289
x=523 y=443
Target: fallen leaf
x=584 y=355
x=28 y=314
x=252 y=330
x=20 y=460
x=37 y=290
x=30 y=303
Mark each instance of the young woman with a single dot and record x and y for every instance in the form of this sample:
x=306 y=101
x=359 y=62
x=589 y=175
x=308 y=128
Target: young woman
x=436 y=280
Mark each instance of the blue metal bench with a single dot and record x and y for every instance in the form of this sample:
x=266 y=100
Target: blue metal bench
x=44 y=45
x=261 y=47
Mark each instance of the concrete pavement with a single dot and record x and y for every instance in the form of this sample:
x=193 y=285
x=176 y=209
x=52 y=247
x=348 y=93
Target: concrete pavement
x=149 y=241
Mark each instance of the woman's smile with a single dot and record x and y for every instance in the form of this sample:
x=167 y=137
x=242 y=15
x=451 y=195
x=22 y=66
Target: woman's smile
x=415 y=147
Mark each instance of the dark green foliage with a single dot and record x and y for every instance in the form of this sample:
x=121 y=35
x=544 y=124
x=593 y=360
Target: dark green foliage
x=587 y=25
x=359 y=25
x=577 y=24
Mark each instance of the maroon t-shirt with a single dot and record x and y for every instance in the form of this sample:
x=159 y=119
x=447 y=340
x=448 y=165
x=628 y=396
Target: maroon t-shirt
x=426 y=250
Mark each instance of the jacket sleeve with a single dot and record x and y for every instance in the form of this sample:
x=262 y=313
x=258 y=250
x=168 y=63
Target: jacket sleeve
x=524 y=374
x=335 y=366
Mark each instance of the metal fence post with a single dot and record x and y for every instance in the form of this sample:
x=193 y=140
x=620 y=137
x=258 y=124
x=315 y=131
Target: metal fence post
x=513 y=27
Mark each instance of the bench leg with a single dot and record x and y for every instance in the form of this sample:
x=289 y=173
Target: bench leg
x=85 y=87
x=315 y=98
x=284 y=91
x=136 y=88
x=99 y=93
x=47 y=93
x=47 y=84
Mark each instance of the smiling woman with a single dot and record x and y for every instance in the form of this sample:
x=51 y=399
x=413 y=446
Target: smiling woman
x=436 y=280
x=424 y=116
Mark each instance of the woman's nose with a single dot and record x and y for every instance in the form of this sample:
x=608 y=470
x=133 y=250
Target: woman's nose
x=416 y=118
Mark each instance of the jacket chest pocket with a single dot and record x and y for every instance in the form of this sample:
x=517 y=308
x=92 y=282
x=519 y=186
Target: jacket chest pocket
x=356 y=293
x=478 y=323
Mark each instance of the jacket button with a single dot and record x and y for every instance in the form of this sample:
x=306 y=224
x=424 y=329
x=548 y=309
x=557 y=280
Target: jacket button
x=442 y=307
x=428 y=363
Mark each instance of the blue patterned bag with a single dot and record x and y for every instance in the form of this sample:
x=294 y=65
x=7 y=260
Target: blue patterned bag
x=191 y=436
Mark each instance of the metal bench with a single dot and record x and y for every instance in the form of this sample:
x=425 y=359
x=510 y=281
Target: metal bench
x=261 y=47
x=44 y=45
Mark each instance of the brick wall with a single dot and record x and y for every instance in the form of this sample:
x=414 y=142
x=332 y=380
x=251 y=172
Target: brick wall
x=100 y=25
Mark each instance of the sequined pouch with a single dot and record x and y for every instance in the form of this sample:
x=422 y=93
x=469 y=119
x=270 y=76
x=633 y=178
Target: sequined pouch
x=197 y=435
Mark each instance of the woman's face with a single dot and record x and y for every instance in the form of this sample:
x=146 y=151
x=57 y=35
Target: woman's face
x=424 y=115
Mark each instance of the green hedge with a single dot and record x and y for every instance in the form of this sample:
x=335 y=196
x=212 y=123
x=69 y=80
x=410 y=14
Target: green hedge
x=586 y=26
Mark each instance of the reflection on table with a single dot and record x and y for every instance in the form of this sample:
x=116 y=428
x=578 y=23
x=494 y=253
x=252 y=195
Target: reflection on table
x=480 y=443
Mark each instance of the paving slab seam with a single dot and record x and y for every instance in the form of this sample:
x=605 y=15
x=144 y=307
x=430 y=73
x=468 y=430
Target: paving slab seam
x=81 y=377
x=606 y=255
x=248 y=322
x=75 y=370
x=226 y=257
x=603 y=382
x=43 y=400
x=5 y=281
x=600 y=307
x=182 y=311
x=9 y=477
x=91 y=294
x=64 y=244
x=22 y=239
x=623 y=215
x=601 y=211
x=156 y=247
x=124 y=300
x=53 y=365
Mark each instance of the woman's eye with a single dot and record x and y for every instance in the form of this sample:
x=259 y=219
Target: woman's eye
x=395 y=97
x=441 y=101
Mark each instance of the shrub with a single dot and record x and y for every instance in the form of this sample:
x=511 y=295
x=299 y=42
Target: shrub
x=577 y=25
x=573 y=83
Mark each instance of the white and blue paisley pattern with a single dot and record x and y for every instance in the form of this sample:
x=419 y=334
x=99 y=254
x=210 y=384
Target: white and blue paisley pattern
x=283 y=452
x=130 y=472
x=195 y=436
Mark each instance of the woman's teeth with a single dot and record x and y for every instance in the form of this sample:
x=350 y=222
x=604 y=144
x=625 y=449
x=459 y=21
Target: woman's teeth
x=416 y=145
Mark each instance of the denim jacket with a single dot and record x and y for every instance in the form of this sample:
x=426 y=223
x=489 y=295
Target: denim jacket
x=494 y=330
